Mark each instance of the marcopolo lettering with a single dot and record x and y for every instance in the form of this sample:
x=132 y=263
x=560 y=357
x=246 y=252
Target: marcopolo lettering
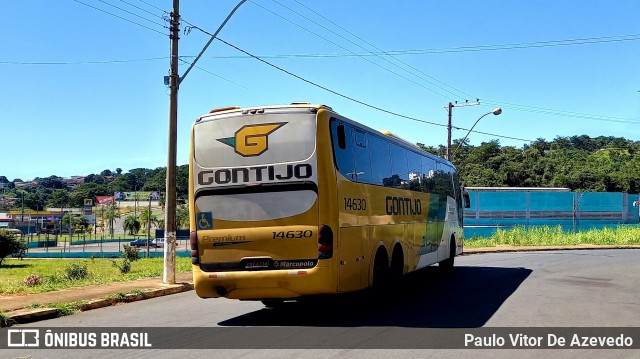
x=255 y=174
x=402 y=206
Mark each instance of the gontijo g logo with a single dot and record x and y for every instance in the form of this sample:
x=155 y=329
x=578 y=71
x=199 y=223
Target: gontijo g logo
x=252 y=140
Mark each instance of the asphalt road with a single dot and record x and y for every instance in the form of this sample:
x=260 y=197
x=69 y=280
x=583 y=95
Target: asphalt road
x=590 y=288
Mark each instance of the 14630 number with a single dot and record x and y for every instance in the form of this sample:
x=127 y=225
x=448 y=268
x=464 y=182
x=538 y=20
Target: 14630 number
x=292 y=234
x=355 y=204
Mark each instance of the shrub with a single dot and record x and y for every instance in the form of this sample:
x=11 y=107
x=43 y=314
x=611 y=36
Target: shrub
x=9 y=244
x=33 y=280
x=130 y=253
x=76 y=271
x=22 y=250
x=125 y=267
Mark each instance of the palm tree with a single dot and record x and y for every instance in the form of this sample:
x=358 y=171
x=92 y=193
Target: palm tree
x=147 y=218
x=111 y=212
x=131 y=224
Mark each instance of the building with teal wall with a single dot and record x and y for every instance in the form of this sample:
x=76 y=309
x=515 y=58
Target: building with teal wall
x=493 y=208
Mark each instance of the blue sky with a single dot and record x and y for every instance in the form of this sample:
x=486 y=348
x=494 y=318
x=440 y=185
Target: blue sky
x=557 y=68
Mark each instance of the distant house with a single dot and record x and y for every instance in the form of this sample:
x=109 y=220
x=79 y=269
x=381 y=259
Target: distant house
x=73 y=182
x=6 y=223
x=25 y=184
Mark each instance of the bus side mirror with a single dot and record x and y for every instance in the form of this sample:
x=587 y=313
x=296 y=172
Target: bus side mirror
x=466 y=200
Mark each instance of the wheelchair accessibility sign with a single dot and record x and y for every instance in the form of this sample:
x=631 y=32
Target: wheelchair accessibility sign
x=204 y=220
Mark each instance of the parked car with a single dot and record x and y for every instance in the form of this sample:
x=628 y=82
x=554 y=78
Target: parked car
x=142 y=242
x=158 y=242
x=13 y=230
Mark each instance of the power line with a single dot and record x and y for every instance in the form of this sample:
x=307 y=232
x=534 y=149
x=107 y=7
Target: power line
x=80 y=62
x=351 y=98
x=342 y=47
x=393 y=53
x=216 y=75
x=147 y=11
x=548 y=111
x=120 y=17
x=131 y=13
x=362 y=47
x=153 y=6
x=381 y=52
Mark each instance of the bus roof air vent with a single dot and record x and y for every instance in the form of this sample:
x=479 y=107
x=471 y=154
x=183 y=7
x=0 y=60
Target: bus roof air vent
x=393 y=135
x=224 y=109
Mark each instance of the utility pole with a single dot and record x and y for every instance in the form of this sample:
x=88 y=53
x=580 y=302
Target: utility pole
x=169 y=272
x=449 y=108
x=149 y=225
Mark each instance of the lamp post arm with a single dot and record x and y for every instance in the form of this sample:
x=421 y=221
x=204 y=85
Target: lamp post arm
x=210 y=41
x=467 y=135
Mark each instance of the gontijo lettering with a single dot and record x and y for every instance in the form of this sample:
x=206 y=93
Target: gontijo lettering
x=403 y=206
x=255 y=174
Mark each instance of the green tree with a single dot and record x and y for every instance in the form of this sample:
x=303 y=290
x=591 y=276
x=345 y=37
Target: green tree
x=182 y=216
x=147 y=218
x=59 y=198
x=9 y=244
x=131 y=224
x=111 y=212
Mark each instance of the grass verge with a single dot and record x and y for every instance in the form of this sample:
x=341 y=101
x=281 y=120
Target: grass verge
x=53 y=275
x=555 y=236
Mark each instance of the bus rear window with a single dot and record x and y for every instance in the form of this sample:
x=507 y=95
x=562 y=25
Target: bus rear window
x=257 y=206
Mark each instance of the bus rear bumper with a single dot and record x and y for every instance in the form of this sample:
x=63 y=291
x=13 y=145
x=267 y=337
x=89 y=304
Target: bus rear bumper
x=256 y=285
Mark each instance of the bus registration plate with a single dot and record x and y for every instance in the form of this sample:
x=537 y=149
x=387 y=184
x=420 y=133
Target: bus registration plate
x=257 y=263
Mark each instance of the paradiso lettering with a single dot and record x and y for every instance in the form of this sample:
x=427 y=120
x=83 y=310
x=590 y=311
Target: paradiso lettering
x=255 y=174
x=403 y=206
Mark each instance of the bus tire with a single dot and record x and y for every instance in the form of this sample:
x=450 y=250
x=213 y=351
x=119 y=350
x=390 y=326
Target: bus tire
x=380 y=271
x=397 y=265
x=447 y=264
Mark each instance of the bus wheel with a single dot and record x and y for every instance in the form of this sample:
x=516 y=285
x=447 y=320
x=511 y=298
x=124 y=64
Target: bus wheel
x=380 y=271
x=397 y=265
x=447 y=264
x=272 y=303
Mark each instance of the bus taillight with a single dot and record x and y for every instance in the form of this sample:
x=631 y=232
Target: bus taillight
x=193 y=241
x=325 y=242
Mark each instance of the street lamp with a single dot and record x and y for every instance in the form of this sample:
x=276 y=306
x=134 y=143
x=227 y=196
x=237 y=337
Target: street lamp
x=496 y=112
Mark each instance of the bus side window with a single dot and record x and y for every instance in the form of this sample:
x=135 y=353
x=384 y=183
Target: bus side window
x=362 y=159
x=380 y=160
x=342 y=138
x=415 y=171
x=399 y=169
x=428 y=174
x=342 y=141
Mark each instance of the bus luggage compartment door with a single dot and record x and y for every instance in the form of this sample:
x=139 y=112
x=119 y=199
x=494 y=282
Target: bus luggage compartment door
x=353 y=271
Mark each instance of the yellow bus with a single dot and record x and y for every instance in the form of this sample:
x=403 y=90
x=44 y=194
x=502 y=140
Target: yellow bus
x=297 y=200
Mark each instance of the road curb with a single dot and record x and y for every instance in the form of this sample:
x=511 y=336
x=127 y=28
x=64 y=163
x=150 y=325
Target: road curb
x=503 y=249
x=29 y=315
